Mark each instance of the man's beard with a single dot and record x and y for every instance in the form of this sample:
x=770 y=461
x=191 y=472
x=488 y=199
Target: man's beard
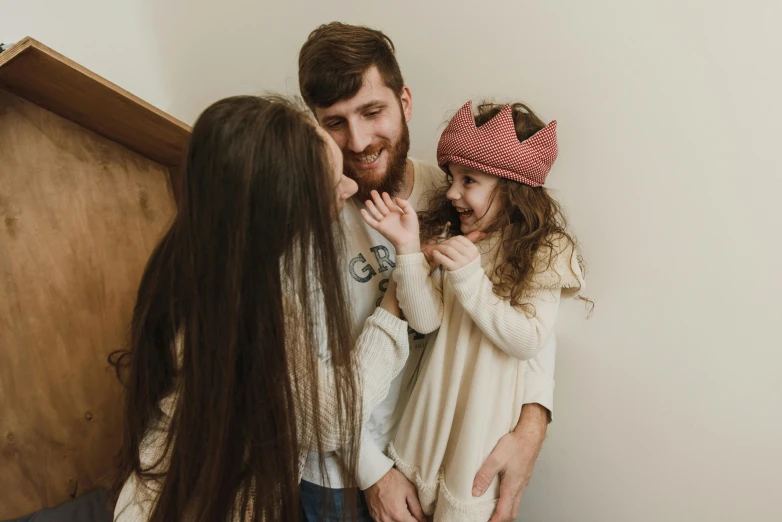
x=394 y=177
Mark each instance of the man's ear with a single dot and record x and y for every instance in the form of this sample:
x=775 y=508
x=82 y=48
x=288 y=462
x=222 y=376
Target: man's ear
x=406 y=99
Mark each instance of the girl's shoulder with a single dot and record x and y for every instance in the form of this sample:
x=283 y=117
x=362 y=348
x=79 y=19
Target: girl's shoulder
x=558 y=265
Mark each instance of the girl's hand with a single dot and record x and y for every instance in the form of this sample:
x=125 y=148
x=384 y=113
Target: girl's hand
x=398 y=223
x=431 y=245
x=455 y=253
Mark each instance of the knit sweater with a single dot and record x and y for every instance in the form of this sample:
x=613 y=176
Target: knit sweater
x=472 y=379
x=380 y=354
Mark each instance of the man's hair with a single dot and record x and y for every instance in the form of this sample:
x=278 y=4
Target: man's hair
x=335 y=57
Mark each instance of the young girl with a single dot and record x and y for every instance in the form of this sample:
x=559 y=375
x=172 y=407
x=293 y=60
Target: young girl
x=494 y=302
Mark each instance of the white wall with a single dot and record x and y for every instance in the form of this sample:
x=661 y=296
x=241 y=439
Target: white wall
x=111 y=38
x=668 y=400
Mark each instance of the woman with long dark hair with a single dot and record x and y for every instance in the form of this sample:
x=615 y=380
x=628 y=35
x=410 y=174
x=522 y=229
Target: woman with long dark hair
x=240 y=356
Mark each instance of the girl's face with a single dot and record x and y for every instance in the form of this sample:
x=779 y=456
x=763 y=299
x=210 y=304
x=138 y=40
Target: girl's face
x=471 y=193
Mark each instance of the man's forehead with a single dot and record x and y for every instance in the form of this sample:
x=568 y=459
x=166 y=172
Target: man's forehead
x=373 y=92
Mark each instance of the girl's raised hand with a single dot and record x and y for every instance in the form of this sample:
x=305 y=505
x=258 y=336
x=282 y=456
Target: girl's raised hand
x=396 y=220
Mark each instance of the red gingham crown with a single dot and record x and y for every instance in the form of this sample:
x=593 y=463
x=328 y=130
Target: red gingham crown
x=494 y=147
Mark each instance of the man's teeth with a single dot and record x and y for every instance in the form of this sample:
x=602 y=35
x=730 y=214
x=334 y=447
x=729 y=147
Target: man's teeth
x=369 y=159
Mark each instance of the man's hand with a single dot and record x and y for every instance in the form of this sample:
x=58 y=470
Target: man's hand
x=513 y=459
x=394 y=499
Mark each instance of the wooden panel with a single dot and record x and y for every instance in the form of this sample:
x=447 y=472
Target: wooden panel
x=52 y=81
x=79 y=216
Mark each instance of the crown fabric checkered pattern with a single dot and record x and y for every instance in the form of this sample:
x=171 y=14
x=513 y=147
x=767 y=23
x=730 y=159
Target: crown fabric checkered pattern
x=495 y=149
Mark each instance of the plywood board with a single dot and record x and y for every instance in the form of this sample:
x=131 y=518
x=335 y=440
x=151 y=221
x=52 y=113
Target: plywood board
x=50 y=80
x=79 y=216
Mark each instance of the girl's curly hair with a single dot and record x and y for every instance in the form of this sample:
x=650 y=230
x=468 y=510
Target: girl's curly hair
x=531 y=224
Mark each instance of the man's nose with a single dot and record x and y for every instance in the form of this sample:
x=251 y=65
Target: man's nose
x=359 y=138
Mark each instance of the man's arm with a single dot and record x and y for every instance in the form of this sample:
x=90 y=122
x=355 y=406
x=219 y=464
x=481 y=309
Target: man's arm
x=539 y=378
x=372 y=464
x=513 y=459
x=514 y=456
x=390 y=496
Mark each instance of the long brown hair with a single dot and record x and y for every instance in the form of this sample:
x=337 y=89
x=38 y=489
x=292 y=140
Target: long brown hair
x=531 y=225
x=256 y=212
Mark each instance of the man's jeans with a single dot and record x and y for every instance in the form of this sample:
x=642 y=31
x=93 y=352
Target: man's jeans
x=324 y=504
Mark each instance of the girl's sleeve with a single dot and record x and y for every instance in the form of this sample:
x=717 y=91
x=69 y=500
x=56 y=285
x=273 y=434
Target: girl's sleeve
x=419 y=298
x=509 y=328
